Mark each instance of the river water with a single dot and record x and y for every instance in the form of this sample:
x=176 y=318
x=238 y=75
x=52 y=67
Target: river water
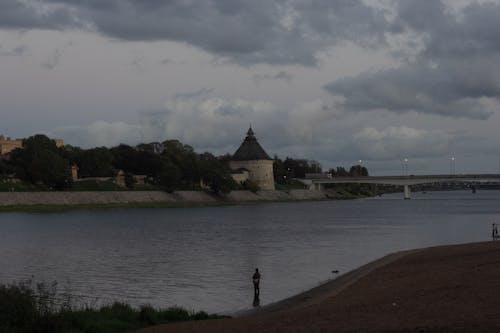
x=203 y=258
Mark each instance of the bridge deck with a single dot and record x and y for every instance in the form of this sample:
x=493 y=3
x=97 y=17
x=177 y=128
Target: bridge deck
x=405 y=180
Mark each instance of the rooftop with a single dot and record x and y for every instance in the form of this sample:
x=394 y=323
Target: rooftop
x=250 y=149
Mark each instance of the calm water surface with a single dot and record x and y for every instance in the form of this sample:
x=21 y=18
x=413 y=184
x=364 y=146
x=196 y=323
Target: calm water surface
x=203 y=258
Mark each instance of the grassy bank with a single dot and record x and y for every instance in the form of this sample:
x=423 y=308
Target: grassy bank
x=171 y=204
x=39 y=308
x=68 y=207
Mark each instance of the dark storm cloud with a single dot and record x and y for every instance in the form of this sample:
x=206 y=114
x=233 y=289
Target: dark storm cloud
x=474 y=31
x=456 y=73
x=246 y=32
x=15 y=14
x=449 y=89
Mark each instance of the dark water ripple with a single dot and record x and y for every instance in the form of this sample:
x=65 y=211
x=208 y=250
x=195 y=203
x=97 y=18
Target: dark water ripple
x=203 y=258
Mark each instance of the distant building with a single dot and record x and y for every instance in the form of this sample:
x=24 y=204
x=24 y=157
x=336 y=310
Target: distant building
x=59 y=142
x=7 y=144
x=251 y=162
x=74 y=172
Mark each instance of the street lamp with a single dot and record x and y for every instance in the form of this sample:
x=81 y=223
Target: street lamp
x=452 y=165
x=406 y=167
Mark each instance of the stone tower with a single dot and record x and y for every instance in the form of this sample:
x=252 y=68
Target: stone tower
x=251 y=157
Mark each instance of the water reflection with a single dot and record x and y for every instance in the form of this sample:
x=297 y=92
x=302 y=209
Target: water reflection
x=256 y=300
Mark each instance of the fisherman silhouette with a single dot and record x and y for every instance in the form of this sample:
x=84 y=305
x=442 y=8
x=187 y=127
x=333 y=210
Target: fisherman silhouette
x=256 y=288
x=256 y=282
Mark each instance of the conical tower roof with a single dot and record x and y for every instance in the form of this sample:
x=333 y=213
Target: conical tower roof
x=250 y=149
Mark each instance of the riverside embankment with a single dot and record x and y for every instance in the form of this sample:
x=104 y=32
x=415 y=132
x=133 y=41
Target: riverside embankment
x=20 y=200
x=439 y=289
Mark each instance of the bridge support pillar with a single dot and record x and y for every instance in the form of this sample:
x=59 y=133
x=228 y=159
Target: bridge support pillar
x=407 y=192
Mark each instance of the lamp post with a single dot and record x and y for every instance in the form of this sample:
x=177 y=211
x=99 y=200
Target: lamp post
x=406 y=166
x=452 y=165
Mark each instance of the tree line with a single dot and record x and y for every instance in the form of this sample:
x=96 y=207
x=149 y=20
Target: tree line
x=286 y=170
x=175 y=166
x=170 y=165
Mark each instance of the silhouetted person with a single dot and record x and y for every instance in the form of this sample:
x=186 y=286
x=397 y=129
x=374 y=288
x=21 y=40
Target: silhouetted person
x=256 y=282
x=494 y=232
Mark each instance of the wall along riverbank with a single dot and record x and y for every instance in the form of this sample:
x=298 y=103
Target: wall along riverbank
x=11 y=201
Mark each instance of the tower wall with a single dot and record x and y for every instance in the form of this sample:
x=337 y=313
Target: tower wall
x=259 y=171
x=7 y=145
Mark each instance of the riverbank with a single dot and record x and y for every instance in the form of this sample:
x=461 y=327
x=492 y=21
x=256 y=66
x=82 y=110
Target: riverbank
x=440 y=289
x=57 y=201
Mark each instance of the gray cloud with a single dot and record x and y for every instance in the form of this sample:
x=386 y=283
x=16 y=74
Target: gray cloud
x=246 y=32
x=454 y=75
x=396 y=142
x=308 y=131
x=193 y=94
x=14 y=52
x=168 y=61
x=54 y=60
x=100 y=133
x=138 y=63
x=282 y=75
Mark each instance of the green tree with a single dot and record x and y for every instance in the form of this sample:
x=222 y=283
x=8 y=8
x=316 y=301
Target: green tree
x=215 y=174
x=96 y=162
x=184 y=157
x=250 y=186
x=5 y=167
x=358 y=171
x=125 y=158
x=170 y=175
x=39 y=161
x=280 y=172
x=339 y=172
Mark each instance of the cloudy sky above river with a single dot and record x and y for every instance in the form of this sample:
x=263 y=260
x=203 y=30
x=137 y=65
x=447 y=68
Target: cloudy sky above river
x=332 y=80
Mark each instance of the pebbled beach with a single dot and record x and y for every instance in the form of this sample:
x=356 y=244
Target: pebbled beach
x=440 y=289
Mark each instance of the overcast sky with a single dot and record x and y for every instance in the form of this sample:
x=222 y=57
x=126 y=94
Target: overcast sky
x=332 y=80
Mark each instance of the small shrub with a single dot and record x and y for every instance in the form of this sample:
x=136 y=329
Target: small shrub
x=17 y=307
x=174 y=314
x=25 y=308
x=147 y=315
x=250 y=186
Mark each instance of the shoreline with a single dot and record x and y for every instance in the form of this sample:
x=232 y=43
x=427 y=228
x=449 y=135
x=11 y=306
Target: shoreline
x=327 y=289
x=87 y=200
x=434 y=289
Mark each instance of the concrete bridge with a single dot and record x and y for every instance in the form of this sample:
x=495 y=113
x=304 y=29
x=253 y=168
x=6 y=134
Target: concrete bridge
x=405 y=181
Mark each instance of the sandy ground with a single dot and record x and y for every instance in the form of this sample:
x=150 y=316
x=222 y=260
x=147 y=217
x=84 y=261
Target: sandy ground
x=441 y=289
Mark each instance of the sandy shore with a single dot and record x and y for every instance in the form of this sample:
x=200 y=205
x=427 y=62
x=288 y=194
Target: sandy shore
x=441 y=289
